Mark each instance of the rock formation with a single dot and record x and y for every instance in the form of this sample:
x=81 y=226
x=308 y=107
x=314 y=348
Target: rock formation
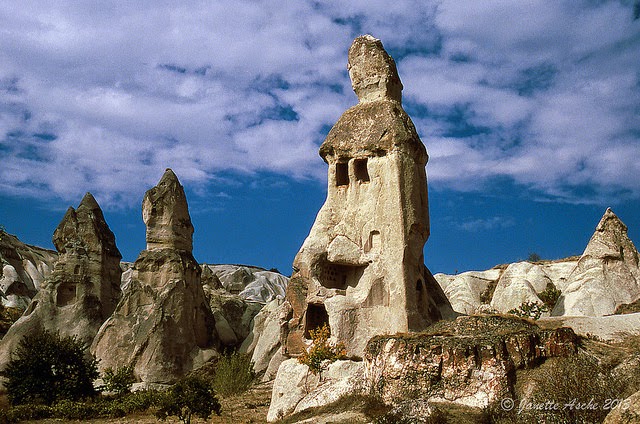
x=84 y=286
x=163 y=325
x=361 y=268
x=471 y=361
x=607 y=274
x=23 y=269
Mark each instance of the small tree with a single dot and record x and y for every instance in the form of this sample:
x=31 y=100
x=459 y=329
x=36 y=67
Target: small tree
x=550 y=295
x=46 y=368
x=321 y=352
x=234 y=374
x=119 y=380
x=189 y=396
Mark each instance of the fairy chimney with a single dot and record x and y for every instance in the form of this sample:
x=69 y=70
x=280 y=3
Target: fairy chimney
x=162 y=327
x=361 y=269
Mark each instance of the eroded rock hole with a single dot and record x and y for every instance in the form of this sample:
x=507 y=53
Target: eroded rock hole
x=316 y=317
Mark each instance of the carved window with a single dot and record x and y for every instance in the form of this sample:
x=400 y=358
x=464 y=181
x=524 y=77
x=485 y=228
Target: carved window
x=315 y=317
x=342 y=174
x=360 y=170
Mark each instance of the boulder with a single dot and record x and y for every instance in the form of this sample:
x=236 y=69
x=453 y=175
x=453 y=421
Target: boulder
x=83 y=288
x=607 y=274
x=628 y=411
x=163 y=326
x=295 y=389
x=361 y=269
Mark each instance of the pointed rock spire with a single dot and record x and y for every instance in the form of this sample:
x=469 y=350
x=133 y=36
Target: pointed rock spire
x=607 y=274
x=166 y=214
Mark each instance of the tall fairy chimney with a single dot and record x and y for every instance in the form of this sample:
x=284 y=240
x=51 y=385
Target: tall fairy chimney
x=361 y=269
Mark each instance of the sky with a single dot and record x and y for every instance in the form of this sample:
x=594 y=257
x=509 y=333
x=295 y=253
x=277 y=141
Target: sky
x=530 y=112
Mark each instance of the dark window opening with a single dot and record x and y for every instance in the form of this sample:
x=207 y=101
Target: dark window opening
x=360 y=170
x=342 y=174
x=76 y=270
x=316 y=317
x=66 y=294
x=419 y=293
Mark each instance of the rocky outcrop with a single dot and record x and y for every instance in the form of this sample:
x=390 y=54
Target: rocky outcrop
x=84 y=286
x=295 y=389
x=162 y=326
x=627 y=413
x=23 y=269
x=263 y=342
x=468 y=290
x=361 y=269
x=471 y=361
x=607 y=274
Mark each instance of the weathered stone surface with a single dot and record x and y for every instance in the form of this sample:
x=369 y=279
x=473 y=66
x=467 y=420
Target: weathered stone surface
x=607 y=274
x=465 y=291
x=627 y=413
x=84 y=286
x=295 y=389
x=23 y=269
x=163 y=325
x=361 y=269
x=610 y=327
x=469 y=361
x=263 y=342
x=520 y=283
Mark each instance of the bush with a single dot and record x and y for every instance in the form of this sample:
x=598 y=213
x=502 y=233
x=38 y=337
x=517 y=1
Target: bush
x=47 y=368
x=234 y=374
x=190 y=396
x=119 y=381
x=550 y=295
x=321 y=352
x=531 y=310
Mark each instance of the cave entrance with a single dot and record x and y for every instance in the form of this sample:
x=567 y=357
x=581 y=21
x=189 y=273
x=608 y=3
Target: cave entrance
x=316 y=317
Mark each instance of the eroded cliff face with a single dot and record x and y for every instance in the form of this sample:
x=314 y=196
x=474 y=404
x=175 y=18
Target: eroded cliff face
x=361 y=269
x=470 y=361
x=163 y=325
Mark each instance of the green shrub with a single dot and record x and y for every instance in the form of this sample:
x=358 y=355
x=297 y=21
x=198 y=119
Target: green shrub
x=189 y=396
x=550 y=295
x=46 y=368
x=119 y=381
x=531 y=310
x=322 y=351
x=233 y=374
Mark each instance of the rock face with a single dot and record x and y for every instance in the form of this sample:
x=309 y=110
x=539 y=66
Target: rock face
x=361 y=269
x=163 y=325
x=471 y=361
x=84 y=286
x=607 y=274
x=23 y=269
x=249 y=283
x=297 y=390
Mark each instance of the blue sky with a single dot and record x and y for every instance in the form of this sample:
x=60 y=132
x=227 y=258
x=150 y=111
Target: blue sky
x=530 y=112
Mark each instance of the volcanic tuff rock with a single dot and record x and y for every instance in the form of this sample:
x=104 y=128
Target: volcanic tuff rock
x=23 y=269
x=607 y=274
x=470 y=361
x=84 y=286
x=361 y=269
x=163 y=325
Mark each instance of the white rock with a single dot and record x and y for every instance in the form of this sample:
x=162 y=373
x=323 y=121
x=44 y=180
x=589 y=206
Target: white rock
x=464 y=290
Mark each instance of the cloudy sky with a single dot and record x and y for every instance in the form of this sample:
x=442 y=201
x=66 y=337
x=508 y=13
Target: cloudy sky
x=530 y=111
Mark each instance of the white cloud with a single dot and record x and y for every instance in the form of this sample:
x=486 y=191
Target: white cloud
x=104 y=98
